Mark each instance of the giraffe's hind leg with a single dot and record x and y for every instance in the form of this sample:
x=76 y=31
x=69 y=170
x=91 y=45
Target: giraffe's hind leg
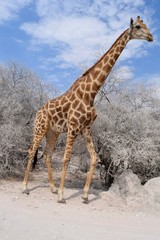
x=31 y=153
x=51 y=138
x=40 y=129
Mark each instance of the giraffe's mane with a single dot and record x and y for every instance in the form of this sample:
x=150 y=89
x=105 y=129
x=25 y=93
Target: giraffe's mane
x=93 y=66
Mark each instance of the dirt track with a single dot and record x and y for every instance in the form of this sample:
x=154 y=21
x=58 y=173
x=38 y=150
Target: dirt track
x=39 y=216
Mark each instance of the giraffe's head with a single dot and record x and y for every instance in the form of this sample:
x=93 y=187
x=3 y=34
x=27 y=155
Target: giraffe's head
x=139 y=30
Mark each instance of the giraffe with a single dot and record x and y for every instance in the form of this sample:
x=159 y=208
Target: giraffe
x=74 y=112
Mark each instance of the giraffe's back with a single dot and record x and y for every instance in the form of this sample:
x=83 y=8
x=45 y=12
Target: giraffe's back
x=69 y=110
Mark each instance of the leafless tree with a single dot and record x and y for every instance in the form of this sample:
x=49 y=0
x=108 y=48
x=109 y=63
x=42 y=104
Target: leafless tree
x=21 y=94
x=129 y=127
x=126 y=132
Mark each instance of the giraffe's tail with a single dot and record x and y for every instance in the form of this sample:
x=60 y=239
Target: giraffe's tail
x=35 y=160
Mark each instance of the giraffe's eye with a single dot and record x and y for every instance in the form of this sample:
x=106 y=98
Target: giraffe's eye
x=137 y=27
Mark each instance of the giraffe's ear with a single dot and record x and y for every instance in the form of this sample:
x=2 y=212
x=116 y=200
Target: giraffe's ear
x=131 y=23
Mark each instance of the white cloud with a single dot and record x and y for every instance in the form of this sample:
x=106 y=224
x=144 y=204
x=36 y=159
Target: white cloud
x=10 y=8
x=78 y=30
x=151 y=79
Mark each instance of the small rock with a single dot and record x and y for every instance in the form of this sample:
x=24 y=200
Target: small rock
x=152 y=188
x=129 y=188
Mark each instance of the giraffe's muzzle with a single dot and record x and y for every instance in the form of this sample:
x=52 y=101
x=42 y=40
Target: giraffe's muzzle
x=150 y=38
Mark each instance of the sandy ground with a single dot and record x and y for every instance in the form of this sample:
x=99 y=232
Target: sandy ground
x=38 y=216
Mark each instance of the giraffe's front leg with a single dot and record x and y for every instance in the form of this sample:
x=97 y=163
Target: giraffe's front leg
x=93 y=155
x=67 y=155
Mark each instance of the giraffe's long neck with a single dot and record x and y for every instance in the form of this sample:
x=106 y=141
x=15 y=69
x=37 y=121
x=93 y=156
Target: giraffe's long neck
x=96 y=75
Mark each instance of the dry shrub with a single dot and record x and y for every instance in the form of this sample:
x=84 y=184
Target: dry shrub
x=130 y=130
x=22 y=93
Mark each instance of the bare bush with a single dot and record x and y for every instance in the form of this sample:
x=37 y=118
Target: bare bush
x=130 y=128
x=126 y=132
x=22 y=93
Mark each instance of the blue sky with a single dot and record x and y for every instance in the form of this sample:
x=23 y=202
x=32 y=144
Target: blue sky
x=58 y=40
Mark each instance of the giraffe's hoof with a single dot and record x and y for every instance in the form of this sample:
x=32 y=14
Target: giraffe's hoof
x=62 y=200
x=55 y=191
x=26 y=191
x=85 y=199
